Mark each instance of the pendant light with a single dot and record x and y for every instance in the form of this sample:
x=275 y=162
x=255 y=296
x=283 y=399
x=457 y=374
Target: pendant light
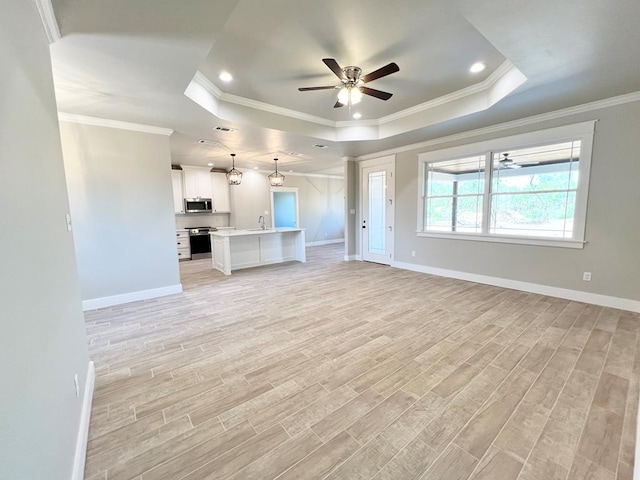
x=276 y=179
x=234 y=176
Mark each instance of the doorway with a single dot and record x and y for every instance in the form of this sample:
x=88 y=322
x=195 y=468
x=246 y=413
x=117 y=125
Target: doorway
x=284 y=207
x=377 y=200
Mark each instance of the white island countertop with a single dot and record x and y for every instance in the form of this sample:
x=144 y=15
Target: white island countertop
x=237 y=249
x=253 y=231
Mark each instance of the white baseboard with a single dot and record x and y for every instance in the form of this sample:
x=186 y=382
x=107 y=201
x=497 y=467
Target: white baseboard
x=103 y=302
x=636 y=466
x=575 y=295
x=350 y=258
x=324 y=242
x=83 y=429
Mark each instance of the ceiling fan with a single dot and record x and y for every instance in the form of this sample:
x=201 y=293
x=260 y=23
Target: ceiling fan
x=352 y=83
x=507 y=163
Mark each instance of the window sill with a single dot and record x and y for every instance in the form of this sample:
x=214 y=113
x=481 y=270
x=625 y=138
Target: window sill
x=538 y=241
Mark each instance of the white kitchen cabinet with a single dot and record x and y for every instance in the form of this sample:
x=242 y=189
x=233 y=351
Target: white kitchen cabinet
x=178 y=191
x=221 y=200
x=182 y=244
x=197 y=182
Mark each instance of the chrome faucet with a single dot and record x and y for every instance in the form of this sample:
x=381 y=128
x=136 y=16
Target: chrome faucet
x=261 y=222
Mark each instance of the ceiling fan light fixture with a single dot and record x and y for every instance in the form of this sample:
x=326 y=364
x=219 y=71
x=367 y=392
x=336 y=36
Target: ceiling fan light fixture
x=349 y=95
x=276 y=179
x=234 y=176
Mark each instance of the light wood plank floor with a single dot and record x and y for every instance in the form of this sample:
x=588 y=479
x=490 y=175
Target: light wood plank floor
x=349 y=370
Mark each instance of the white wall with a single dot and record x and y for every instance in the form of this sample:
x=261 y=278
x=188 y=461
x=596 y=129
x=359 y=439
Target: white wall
x=122 y=210
x=612 y=252
x=320 y=200
x=187 y=220
x=42 y=334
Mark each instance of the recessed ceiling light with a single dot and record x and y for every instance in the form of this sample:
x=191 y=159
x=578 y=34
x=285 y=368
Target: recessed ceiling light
x=225 y=76
x=208 y=142
x=209 y=164
x=255 y=168
x=357 y=116
x=477 y=67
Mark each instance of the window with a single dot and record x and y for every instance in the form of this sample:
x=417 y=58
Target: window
x=533 y=190
x=455 y=191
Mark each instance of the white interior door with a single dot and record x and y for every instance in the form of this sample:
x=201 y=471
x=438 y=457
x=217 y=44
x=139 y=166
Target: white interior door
x=378 y=198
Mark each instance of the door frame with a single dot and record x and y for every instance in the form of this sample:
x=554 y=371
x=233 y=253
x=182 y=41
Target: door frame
x=294 y=190
x=388 y=161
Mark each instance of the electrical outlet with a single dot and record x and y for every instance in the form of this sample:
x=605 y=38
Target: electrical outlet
x=586 y=276
x=413 y=253
x=77 y=384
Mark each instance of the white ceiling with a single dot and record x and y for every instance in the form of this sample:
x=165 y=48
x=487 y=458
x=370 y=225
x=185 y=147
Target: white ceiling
x=133 y=60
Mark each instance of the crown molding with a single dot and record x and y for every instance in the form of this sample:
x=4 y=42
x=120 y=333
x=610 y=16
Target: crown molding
x=49 y=22
x=103 y=122
x=486 y=84
x=202 y=80
x=565 y=112
x=210 y=87
x=299 y=174
x=502 y=81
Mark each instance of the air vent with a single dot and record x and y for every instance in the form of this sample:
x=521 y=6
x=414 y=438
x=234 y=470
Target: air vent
x=319 y=145
x=210 y=143
x=225 y=129
x=291 y=154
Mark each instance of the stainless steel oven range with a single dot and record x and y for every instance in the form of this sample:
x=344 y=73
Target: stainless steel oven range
x=200 y=242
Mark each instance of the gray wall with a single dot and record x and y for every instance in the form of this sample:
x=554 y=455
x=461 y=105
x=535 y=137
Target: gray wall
x=612 y=253
x=122 y=209
x=350 y=204
x=42 y=334
x=320 y=201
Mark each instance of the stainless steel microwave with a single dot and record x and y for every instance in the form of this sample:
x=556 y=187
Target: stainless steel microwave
x=198 y=205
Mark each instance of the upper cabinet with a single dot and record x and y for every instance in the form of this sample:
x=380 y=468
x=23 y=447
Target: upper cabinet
x=178 y=192
x=194 y=182
x=197 y=182
x=221 y=201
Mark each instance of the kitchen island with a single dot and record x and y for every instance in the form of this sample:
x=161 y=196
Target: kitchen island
x=237 y=249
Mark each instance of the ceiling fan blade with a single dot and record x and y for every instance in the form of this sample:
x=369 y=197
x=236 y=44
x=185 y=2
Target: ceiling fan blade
x=376 y=93
x=338 y=105
x=381 y=72
x=307 y=89
x=335 y=68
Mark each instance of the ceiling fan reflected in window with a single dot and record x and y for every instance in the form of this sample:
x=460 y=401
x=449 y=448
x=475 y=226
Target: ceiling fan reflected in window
x=352 y=87
x=507 y=163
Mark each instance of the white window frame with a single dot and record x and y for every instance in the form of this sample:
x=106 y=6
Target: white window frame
x=583 y=131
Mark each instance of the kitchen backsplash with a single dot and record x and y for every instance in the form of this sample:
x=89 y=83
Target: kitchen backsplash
x=202 y=220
